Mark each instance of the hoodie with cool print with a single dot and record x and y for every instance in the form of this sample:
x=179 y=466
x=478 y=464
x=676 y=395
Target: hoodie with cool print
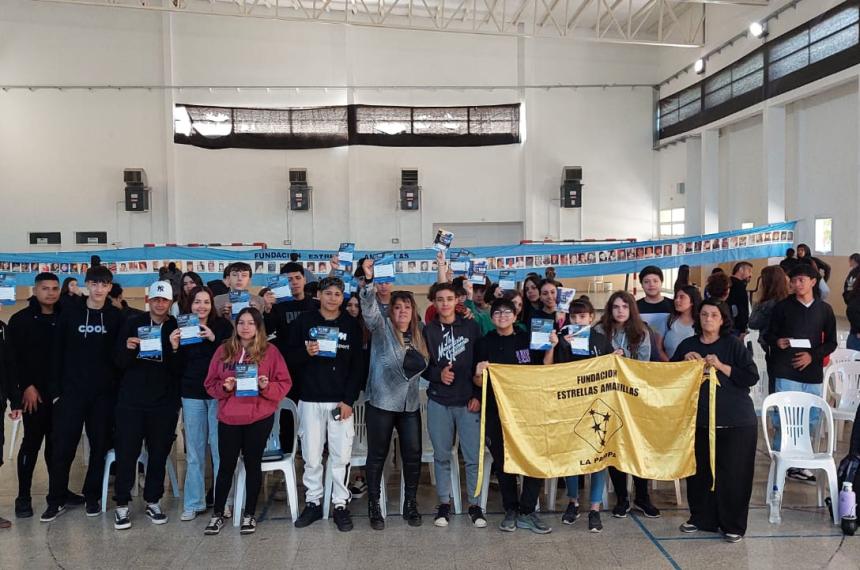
x=83 y=352
x=455 y=344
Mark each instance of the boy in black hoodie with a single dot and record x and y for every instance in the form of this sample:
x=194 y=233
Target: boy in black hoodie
x=32 y=332
x=8 y=391
x=148 y=403
x=83 y=390
x=329 y=387
x=453 y=399
x=801 y=334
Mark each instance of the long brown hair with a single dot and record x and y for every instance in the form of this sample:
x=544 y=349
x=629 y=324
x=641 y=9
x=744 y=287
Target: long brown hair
x=634 y=328
x=185 y=300
x=185 y=309
x=774 y=284
x=257 y=350
x=417 y=338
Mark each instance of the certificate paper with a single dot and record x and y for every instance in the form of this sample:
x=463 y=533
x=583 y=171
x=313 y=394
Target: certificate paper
x=150 y=342
x=246 y=380
x=540 y=334
x=189 y=329
x=327 y=338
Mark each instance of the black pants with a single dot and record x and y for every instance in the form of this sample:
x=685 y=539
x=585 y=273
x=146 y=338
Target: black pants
x=512 y=500
x=250 y=440
x=134 y=426
x=380 y=425
x=727 y=507
x=37 y=427
x=619 y=484
x=72 y=413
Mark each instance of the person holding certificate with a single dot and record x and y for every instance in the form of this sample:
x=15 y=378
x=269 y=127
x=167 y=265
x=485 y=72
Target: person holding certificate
x=148 y=403
x=199 y=410
x=231 y=303
x=249 y=378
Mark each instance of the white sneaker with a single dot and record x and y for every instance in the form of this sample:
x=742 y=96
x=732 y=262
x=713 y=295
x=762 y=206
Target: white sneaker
x=188 y=516
x=228 y=512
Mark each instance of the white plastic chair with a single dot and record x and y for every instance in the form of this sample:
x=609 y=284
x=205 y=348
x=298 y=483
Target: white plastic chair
x=794 y=410
x=143 y=458
x=842 y=384
x=841 y=355
x=286 y=465
x=758 y=392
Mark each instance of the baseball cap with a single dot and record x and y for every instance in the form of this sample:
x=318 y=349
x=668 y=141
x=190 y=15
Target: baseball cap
x=161 y=289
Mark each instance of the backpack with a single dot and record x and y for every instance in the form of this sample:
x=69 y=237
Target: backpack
x=849 y=470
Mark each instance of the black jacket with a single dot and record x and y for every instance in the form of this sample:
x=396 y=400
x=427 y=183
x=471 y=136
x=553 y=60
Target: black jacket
x=510 y=349
x=8 y=387
x=816 y=323
x=739 y=303
x=848 y=285
x=147 y=383
x=282 y=317
x=598 y=345
x=455 y=344
x=84 y=345
x=31 y=338
x=734 y=407
x=323 y=379
x=217 y=287
x=193 y=359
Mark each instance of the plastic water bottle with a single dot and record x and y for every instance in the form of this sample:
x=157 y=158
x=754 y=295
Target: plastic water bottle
x=848 y=508
x=775 y=505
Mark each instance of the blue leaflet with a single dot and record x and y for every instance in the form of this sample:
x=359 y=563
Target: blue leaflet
x=239 y=300
x=327 y=338
x=443 y=240
x=189 y=329
x=540 y=334
x=346 y=254
x=7 y=289
x=350 y=286
x=563 y=298
x=246 y=380
x=280 y=286
x=578 y=337
x=478 y=271
x=150 y=342
x=508 y=281
x=383 y=270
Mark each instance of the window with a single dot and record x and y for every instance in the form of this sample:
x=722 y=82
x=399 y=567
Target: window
x=672 y=222
x=45 y=238
x=669 y=277
x=740 y=78
x=90 y=237
x=824 y=235
x=747 y=225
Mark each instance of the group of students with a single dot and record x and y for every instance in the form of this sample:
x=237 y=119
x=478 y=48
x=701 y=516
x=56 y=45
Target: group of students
x=83 y=364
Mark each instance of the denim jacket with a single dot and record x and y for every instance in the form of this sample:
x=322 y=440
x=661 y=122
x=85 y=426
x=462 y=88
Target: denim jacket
x=388 y=388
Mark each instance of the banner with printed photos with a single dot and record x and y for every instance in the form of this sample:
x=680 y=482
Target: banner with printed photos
x=138 y=267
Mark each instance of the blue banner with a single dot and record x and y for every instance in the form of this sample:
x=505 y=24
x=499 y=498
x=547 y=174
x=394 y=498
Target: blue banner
x=138 y=267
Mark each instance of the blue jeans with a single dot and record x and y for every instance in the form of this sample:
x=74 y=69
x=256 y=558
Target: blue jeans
x=786 y=385
x=442 y=423
x=595 y=493
x=852 y=342
x=200 y=418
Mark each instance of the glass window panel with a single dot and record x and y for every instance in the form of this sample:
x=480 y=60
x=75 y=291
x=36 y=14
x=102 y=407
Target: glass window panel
x=788 y=46
x=824 y=235
x=719 y=96
x=321 y=121
x=748 y=66
x=718 y=81
x=677 y=229
x=440 y=121
x=211 y=121
x=748 y=83
x=665 y=229
x=678 y=214
x=500 y=120
x=834 y=23
x=788 y=65
x=181 y=121
x=669 y=120
x=689 y=110
x=833 y=44
x=746 y=225
x=665 y=216
x=690 y=95
x=261 y=121
x=383 y=120
x=669 y=104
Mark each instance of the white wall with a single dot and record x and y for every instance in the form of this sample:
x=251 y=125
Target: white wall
x=63 y=152
x=741 y=174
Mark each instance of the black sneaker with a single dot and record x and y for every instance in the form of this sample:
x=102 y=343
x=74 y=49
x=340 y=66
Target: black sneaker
x=648 y=509
x=443 y=515
x=477 y=516
x=93 y=509
x=411 y=514
x=571 y=513
x=74 y=499
x=153 y=511
x=594 y=523
x=249 y=524
x=730 y=537
x=23 y=507
x=688 y=528
x=342 y=518
x=374 y=513
x=621 y=509
x=216 y=523
x=51 y=513
x=121 y=520
x=358 y=488
x=311 y=514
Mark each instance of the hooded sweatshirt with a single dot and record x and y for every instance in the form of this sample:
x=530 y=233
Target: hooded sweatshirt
x=455 y=344
x=31 y=337
x=240 y=411
x=147 y=383
x=194 y=359
x=8 y=388
x=84 y=351
x=324 y=379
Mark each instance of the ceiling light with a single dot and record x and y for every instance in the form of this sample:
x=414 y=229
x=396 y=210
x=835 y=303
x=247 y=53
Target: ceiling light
x=757 y=29
x=699 y=66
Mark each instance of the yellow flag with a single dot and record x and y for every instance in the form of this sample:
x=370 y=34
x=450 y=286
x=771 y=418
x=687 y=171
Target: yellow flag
x=581 y=417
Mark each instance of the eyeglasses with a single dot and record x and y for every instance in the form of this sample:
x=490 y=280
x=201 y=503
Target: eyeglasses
x=503 y=313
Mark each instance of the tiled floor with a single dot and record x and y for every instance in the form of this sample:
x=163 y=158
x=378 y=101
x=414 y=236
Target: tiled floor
x=805 y=539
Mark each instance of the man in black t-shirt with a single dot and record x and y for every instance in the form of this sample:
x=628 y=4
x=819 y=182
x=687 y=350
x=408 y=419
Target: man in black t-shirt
x=654 y=308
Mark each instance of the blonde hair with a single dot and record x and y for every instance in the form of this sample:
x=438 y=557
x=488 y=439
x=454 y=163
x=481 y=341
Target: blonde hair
x=257 y=350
